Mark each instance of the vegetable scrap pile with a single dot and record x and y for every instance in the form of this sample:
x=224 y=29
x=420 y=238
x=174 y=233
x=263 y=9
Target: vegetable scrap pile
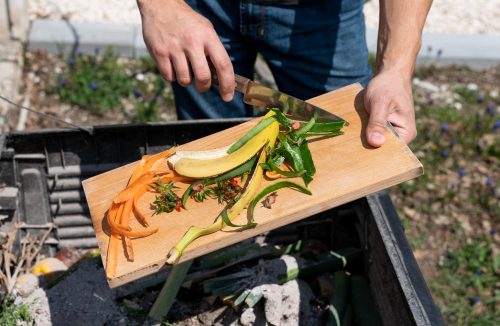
x=276 y=148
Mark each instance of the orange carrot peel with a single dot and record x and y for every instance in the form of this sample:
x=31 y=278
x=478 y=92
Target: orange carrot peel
x=125 y=204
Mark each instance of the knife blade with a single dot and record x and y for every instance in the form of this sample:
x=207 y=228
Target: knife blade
x=261 y=96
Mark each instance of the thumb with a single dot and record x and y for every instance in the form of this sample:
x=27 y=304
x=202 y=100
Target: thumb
x=377 y=124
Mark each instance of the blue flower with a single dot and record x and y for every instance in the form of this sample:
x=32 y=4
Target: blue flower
x=440 y=52
x=475 y=299
x=493 y=230
x=480 y=98
x=71 y=62
x=461 y=172
x=97 y=51
x=454 y=142
x=490 y=108
x=445 y=153
x=490 y=182
x=137 y=93
x=93 y=86
x=62 y=82
x=444 y=127
x=478 y=272
x=496 y=125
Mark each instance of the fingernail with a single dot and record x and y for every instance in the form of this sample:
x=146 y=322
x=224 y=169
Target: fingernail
x=376 y=138
x=228 y=97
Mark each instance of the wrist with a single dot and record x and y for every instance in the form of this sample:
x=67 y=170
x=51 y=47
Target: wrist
x=403 y=69
x=148 y=4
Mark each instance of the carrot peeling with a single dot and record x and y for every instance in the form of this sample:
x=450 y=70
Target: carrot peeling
x=124 y=204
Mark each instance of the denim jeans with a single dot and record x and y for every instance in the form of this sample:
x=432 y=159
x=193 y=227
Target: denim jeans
x=310 y=48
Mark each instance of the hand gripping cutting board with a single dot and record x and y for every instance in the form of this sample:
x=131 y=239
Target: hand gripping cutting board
x=347 y=169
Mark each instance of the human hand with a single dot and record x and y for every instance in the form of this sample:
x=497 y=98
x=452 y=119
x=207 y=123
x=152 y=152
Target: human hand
x=180 y=40
x=389 y=98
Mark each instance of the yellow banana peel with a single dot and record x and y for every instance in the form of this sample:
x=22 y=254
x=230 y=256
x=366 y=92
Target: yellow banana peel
x=195 y=166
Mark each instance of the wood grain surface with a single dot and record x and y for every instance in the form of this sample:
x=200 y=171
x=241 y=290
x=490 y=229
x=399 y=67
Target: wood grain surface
x=347 y=169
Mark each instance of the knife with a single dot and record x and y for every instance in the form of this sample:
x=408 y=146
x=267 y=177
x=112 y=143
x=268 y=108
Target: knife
x=261 y=96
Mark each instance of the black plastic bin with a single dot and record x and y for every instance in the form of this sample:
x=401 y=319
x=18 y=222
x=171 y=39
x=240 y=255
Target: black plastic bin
x=41 y=174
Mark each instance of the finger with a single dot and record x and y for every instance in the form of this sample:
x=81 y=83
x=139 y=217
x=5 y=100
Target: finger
x=377 y=123
x=201 y=71
x=224 y=68
x=166 y=69
x=404 y=125
x=181 y=67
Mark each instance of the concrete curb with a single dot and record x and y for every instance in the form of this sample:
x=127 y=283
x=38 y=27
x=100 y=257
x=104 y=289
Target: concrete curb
x=475 y=50
x=478 y=51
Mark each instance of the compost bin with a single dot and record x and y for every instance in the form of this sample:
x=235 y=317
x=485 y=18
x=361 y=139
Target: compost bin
x=41 y=173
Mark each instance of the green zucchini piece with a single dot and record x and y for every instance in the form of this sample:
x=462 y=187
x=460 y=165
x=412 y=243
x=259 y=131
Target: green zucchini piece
x=338 y=298
x=250 y=134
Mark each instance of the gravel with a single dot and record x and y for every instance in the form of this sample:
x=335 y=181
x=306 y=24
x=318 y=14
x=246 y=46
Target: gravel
x=446 y=16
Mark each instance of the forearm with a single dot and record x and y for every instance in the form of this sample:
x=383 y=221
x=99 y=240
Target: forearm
x=400 y=34
x=150 y=6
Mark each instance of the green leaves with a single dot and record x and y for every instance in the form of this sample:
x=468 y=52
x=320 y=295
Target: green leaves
x=104 y=83
x=270 y=189
x=293 y=148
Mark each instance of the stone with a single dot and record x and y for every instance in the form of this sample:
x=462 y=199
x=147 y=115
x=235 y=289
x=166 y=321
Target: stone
x=248 y=317
x=26 y=284
x=38 y=306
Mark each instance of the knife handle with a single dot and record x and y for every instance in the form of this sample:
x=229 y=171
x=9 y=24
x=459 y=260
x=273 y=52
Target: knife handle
x=240 y=82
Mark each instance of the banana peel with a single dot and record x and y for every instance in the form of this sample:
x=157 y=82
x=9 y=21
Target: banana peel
x=271 y=134
x=211 y=163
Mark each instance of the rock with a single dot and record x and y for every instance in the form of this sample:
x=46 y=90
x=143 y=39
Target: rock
x=472 y=87
x=425 y=85
x=26 y=284
x=248 y=317
x=287 y=304
x=442 y=220
x=38 y=306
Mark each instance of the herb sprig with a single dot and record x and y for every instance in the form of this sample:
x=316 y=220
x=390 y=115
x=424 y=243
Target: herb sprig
x=167 y=200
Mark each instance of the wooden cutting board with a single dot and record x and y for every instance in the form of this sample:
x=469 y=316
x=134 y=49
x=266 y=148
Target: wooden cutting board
x=347 y=169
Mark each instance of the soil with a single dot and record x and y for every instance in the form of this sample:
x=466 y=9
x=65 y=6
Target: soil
x=81 y=298
x=39 y=74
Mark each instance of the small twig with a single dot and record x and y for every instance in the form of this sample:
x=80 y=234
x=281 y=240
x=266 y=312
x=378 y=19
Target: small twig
x=8 y=253
x=30 y=243
x=40 y=245
x=30 y=249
